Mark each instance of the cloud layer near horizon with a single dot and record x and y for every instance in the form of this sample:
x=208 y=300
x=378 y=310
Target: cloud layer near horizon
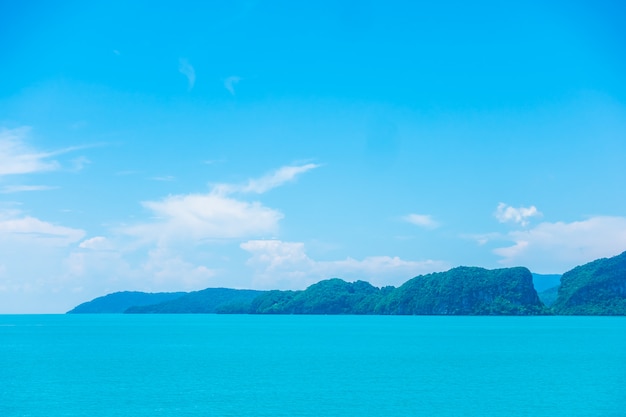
x=558 y=247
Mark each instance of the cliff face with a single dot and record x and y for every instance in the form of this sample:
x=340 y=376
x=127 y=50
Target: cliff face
x=596 y=288
x=466 y=291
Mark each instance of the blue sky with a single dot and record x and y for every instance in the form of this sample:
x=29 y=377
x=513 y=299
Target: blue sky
x=178 y=145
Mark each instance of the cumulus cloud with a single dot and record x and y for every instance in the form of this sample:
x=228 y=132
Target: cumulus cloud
x=204 y=217
x=422 y=220
x=279 y=264
x=215 y=215
x=520 y=215
x=230 y=82
x=558 y=247
x=188 y=71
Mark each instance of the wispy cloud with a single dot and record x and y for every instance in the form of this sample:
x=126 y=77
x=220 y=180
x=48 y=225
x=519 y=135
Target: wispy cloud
x=165 y=178
x=79 y=163
x=286 y=265
x=16 y=157
x=267 y=182
x=127 y=172
x=188 y=71
x=14 y=226
x=422 y=220
x=230 y=82
x=9 y=189
x=557 y=247
x=520 y=215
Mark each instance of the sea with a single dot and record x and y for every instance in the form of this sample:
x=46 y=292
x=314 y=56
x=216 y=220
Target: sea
x=289 y=365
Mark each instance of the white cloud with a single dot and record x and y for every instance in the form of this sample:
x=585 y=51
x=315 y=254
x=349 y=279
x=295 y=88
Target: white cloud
x=97 y=243
x=19 y=228
x=505 y=213
x=8 y=189
x=558 y=247
x=276 y=179
x=229 y=83
x=170 y=272
x=16 y=157
x=286 y=265
x=422 y=220
x=204 y=217
x=105 y=269
x=268 y=182
x=216 y=215
x=188 y=71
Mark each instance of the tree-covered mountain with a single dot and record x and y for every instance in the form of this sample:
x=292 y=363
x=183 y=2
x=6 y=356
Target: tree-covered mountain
x=460 y=291
x=118 y=302
x=210 y=300
x=332 y=296
x=596 y=288
x=466 y=291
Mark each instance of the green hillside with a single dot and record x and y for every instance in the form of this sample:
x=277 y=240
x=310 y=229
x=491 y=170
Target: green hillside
x=596 y=288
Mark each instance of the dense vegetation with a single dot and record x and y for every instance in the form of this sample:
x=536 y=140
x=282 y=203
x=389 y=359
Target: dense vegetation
x=461 y=290
x=118 y=302
x=332 y=296
x=466 y=291
x=596 y=288
x=211 y=300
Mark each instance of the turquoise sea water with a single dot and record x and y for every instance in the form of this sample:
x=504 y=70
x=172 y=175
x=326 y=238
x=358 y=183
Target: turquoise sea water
x=216 y=365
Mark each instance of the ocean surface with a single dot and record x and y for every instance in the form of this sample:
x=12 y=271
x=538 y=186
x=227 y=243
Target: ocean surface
x=222 y=365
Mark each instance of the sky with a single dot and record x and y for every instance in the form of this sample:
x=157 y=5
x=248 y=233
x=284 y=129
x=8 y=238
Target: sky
x=175 y=146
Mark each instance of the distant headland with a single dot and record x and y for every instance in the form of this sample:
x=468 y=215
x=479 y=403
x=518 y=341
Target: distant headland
x=596 y=288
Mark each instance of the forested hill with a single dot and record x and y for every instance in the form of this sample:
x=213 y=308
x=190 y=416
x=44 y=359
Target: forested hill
x=596 y=288
x=460 y=291
x=466 y=291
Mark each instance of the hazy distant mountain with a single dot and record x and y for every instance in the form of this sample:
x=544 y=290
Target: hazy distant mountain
x=118 y=302
x=542 y=282
x=596 y=288
x=548 y=297
x=210 y=300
